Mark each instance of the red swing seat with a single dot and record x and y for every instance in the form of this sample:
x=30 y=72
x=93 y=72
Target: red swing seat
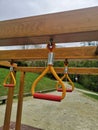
x=47 y=97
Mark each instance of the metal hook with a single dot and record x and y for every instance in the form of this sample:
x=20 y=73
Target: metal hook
x=66 y=62
x=96 y=52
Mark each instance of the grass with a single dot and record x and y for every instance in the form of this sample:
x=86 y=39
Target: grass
x=92 y=96
x=44 y=83
x=77 y=85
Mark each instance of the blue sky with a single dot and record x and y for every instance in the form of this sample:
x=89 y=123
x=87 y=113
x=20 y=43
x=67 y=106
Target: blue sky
x=11 y=9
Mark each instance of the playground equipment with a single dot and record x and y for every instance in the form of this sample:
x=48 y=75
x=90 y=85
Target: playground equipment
x=67 y=78
x=69 y=26
x=10 y=80
x=50 y=68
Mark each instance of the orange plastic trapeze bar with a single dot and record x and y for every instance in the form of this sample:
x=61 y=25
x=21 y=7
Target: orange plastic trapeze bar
x=51 y=69
x=67 y=77
x=10 y=80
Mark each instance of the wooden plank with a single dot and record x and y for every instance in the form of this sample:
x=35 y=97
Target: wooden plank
x=89 y=71
x=71 y=37
x=71 y=70
x=60 y=53
x=8 y=108
x=7 y=64
x=68 y=26
x=20 y=102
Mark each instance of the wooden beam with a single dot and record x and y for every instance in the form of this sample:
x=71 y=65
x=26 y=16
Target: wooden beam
x=71 y=37
x=89 y=71
x=60 y=53
x=68 y=26
x=7 y=64
x=60 y=70
x=8 y=108
x=20 y=102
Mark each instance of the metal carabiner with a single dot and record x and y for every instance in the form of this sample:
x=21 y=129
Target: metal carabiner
x=10 y=76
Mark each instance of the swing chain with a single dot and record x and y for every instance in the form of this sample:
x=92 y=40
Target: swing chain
x=66 y=62
x=11 y=67
x=50 y=46
x=50 y=58
x=51 y=43
x=66 y=66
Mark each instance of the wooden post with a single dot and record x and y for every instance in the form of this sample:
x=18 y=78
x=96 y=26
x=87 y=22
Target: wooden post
x=20 y=102
x=8 y=109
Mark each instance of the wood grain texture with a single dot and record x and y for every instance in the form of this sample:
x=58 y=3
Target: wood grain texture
x=68 y=26
x=60 y=53
x=20 y=102
x=8 y=110
x=60 y=70
x=7 y=64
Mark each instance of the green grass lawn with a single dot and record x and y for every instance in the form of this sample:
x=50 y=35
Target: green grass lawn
x=77 y=85
x=92 y=96
x=45 y=83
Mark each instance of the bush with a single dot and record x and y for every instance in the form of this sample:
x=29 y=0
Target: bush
x=90 y=82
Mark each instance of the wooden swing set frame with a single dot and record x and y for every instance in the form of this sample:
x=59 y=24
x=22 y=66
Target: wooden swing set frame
x=69 y=26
